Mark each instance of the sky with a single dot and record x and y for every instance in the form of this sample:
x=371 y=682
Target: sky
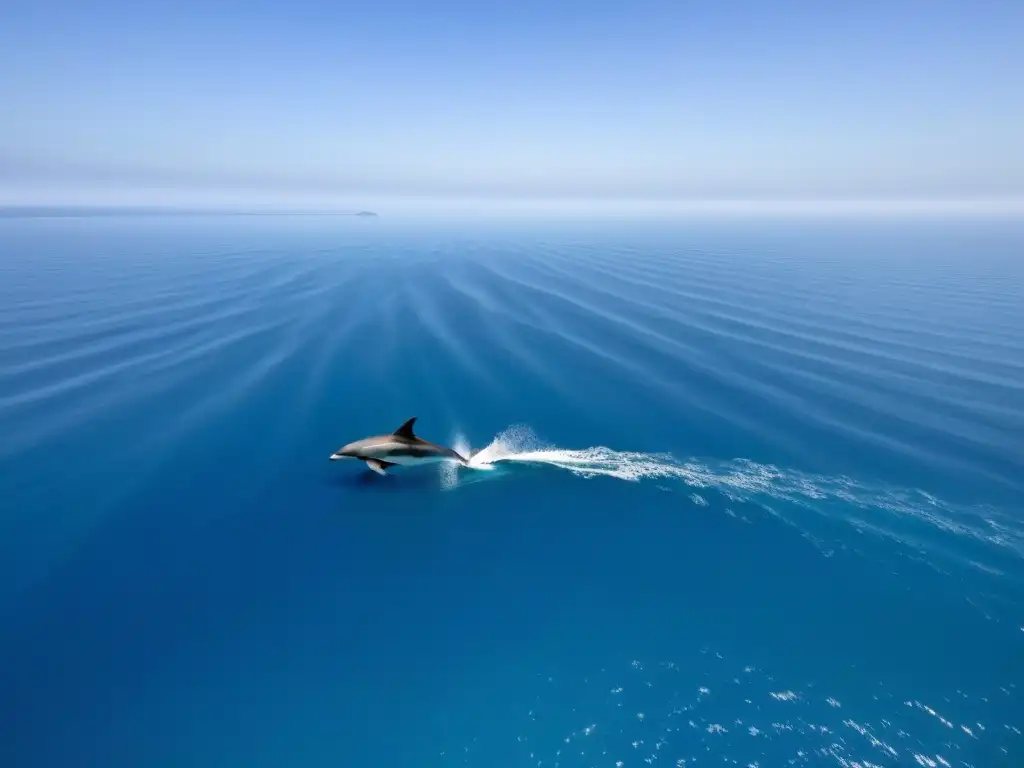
x=114 y=101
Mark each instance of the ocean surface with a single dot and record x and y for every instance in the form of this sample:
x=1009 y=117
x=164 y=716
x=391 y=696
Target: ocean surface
x=743 y=492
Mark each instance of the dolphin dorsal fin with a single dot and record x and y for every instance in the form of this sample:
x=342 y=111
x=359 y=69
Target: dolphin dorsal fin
x=406 y=429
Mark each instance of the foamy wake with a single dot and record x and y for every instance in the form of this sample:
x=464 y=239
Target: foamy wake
x=520 y=444
x=738 y=480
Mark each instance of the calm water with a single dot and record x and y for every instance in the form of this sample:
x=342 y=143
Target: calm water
x=755 y=496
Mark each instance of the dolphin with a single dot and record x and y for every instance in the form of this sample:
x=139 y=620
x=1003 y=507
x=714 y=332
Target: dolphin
x=401 y=447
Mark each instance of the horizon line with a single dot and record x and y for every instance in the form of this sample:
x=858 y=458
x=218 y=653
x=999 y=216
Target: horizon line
x=232 y=204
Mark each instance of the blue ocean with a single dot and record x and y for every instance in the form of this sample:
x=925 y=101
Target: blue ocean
x=743 y=491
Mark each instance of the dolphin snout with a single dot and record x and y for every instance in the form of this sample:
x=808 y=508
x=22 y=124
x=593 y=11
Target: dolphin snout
x=347 y=451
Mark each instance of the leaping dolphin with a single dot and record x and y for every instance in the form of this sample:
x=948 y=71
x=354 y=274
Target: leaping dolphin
x=401 y=447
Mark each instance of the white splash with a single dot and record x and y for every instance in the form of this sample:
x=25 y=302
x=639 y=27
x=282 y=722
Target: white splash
x=520 y=444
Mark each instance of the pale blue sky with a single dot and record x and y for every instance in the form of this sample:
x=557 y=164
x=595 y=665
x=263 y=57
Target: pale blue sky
x=650 y=100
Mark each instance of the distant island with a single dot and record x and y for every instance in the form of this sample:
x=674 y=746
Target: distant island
x=367 y=214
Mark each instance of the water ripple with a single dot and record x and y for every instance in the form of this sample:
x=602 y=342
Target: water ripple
x=901 y=360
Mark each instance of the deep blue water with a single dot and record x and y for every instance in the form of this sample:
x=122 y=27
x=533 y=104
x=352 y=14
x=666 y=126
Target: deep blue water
x=761 y=499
